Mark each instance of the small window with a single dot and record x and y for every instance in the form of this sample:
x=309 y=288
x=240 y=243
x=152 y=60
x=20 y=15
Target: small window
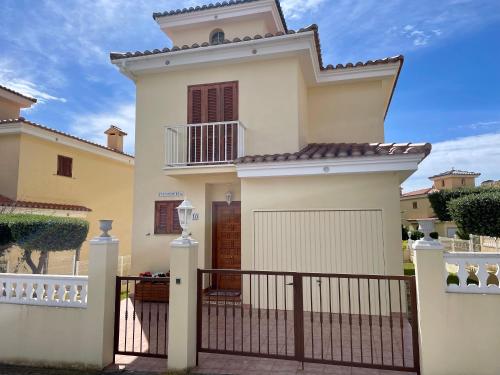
x=442 y=183
x=217 y=36
x=415 y=205
x=64 y=166
x=166 y=217
x=463 y=181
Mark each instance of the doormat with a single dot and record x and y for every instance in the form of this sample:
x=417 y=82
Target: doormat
x=223 y=293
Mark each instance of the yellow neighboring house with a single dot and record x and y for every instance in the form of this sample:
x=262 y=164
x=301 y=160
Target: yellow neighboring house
x=45 y=171
x=416 y=205
x=283 y=156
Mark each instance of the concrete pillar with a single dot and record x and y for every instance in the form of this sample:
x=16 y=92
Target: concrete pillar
x=182 y=305
x=430 y=279
x=103 y=266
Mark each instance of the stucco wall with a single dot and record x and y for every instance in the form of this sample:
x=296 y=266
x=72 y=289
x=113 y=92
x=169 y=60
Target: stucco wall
x=99 y=183
x=9 y=164
x=8 y=110
x=351 y=112
x=248 y=26
x=358 y=191
x=459 y=333
x=453 y=182
x=422 y=211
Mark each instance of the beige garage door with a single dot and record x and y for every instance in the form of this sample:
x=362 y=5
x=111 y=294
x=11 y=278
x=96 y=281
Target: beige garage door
x=329 y=241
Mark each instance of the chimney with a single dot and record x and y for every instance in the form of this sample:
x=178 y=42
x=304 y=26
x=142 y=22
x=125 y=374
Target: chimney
x=115 y=138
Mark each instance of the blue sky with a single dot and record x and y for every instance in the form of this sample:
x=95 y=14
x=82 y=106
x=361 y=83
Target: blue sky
x=448 y=92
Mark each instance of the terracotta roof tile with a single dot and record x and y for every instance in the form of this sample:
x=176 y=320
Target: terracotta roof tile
x=7 y=202
x=340 y=150
x=18 y=94
x=456 y=172
x=313 y=27
x=213 y=6
x=417 y=192
x=23 y=120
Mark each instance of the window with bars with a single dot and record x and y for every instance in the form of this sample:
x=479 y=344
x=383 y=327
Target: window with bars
x=166 y=217
x=64 y=166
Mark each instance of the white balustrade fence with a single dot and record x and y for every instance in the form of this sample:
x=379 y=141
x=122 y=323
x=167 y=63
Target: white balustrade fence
x=202 y=144
x=45 y=290
x=471 y=268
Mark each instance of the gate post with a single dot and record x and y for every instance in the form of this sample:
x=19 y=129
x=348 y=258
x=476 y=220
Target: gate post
x=182 y=304
x=103 y=265
x=298 y=317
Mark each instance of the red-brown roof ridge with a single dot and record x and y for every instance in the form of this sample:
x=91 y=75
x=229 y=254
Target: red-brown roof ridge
x=313 y=27
x=18 y=93
x=339 y=150
x=7 y=202
x=417 y=192
x=23 y=120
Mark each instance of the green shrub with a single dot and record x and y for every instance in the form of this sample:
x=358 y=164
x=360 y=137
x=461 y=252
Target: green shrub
x=5 y=234
x=477 y=213
x=434 y=235
x=416 y=235
x=440 y=199
x=45 y=233
x=404 y=233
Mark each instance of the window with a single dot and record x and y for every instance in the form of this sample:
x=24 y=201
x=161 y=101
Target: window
x=64 y=166
x=217 y=36
x=415 y=205
x=463 y=181
x=166 y=217
x=442 y=183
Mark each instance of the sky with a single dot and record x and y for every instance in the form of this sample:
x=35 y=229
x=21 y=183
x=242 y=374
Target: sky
x=448 y=92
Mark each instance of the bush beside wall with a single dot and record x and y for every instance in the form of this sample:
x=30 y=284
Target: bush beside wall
x=478 y=213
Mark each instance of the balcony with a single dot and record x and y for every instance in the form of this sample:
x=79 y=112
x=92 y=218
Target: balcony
x=207 y=144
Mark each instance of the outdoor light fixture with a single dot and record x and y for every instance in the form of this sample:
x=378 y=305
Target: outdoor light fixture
x=185 y=210
x=229 y=198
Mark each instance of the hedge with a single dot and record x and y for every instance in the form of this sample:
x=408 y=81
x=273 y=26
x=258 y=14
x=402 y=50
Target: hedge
x=416 y=235
x=439 y=199
x=478 y=214
x=43 y=233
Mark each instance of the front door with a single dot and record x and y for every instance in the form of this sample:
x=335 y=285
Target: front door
x=226 y=243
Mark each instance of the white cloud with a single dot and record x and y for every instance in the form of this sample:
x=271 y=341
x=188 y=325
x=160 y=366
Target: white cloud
x=91 y=126
x=479 y=153
x=295 y=9
x=24 y=84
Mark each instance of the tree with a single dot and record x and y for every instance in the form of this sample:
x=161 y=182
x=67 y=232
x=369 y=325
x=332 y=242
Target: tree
x=477 y=213
x=42 y=233
x=439 y=199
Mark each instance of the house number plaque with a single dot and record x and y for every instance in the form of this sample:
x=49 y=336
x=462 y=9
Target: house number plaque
x=170 y=194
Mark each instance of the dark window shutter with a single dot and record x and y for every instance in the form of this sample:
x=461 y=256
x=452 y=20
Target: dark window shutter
x=64 y=166
x=166 y=217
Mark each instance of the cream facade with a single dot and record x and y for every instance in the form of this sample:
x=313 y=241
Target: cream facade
x=288 y=106
x=99 y=184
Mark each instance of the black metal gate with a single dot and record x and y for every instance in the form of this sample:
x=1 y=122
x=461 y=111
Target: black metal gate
x=340 y=319
x=141 y=316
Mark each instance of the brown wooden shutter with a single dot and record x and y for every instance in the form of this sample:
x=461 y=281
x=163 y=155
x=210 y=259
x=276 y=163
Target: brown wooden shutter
x=64 y=166
x=166 y=217
x=212 y=103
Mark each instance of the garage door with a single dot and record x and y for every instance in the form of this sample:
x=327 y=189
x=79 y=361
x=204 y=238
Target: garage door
x=329 y=241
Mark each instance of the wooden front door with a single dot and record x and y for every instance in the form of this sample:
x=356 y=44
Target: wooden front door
x=212 y=103
x=226 y=243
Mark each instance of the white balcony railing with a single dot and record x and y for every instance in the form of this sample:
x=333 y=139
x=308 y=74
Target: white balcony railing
x=476 y=272
x=204 y=144
x=45 y=290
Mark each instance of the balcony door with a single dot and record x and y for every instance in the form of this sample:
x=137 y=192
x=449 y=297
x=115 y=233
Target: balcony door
x=215 y=107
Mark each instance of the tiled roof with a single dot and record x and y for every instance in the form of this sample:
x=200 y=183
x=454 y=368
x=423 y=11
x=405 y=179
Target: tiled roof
x=314 y=28
x=213 y=6
x=417 y=192
x=315 y=151
x=18 y=94
x=23 y=120
x=456 y=172
x=7 y=202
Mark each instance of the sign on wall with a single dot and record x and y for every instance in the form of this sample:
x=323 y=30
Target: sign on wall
x=170 y=194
